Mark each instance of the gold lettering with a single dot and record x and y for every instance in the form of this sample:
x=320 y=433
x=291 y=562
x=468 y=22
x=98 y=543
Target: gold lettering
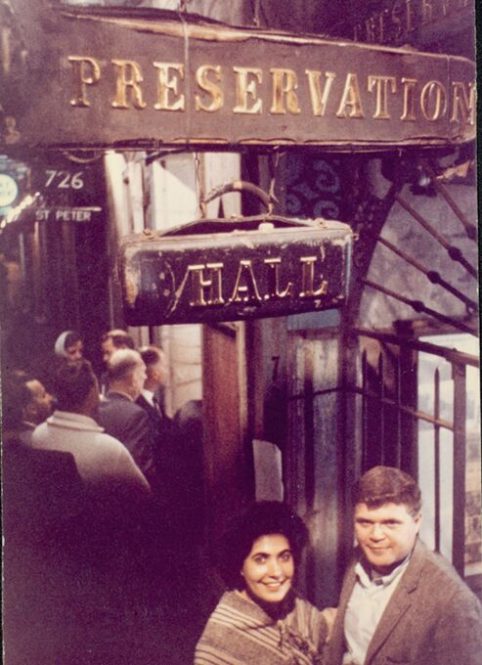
x=205 y=83
x=285 y=82
x=205 y=291
x=274 y=290
x=247 y=292
x=350 y=98
x=380 y=84
x=308 y=279
x=408 y=86
x=463 y=102
x=433 y=100
x=86 y=72
x=246 y=92
x=168 y=96
x=129 y=76
x=319 y=99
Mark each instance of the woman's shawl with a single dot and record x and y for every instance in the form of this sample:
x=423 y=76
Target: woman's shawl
x=239 y=632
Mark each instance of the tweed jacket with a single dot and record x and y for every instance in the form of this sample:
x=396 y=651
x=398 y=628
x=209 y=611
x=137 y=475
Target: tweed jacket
x=432 y=618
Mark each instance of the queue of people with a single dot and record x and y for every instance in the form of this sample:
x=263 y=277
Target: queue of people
x=94 y=484
x=89 y=500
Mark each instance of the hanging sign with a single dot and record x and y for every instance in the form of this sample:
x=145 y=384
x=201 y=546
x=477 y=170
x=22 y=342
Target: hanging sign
x=136 y=79
x=258 y=267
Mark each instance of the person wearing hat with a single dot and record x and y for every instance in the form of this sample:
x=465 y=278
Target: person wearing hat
x=69 y=345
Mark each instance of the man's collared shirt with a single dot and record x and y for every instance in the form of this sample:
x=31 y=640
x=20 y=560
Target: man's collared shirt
x=149 y=397
x=365 y=608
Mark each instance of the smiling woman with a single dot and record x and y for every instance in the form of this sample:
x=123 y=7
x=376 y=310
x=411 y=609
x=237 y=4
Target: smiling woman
x=261 y=618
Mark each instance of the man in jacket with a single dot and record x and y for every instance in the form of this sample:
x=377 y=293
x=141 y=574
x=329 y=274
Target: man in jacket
x=102 y=461
x=151 y=398
x=121 y=417
x=400 y=603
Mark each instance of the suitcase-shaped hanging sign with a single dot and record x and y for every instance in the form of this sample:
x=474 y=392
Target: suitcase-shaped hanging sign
x=237 y=268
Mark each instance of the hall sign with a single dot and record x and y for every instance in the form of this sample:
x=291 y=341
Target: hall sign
x=255 y=267
x=132 y=80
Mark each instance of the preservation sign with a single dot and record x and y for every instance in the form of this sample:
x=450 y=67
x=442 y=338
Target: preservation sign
x=282 y=267
x=134 y=80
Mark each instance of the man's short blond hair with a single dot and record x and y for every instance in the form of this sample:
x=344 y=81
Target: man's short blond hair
x=121 y=363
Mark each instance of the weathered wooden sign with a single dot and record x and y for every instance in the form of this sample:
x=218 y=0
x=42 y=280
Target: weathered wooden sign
x=256 y=267
x=137 y=80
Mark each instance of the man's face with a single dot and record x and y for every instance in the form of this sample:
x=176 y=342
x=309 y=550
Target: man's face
x=386 y=535
x=108 y=349
x=40 y=406
x=138 y=379
x=158 y=371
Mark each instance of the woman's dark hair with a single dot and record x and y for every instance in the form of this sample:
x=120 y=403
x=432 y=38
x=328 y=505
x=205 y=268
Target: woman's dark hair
x=260 y=519
x=72 y=338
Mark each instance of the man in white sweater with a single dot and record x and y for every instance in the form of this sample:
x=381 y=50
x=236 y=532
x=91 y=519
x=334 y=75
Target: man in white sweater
x=102 y=461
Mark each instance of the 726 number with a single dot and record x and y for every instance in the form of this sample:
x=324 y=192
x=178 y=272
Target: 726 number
x=64 y=179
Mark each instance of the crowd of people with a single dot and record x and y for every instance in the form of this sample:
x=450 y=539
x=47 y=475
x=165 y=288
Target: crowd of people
x=102 y=497
x=98 y=490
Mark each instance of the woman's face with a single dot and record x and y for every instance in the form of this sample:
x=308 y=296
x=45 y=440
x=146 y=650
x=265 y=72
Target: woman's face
x=269 y=568
x=75 y=351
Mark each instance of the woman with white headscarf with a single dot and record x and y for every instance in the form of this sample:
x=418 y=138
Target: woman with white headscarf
x=69 y=345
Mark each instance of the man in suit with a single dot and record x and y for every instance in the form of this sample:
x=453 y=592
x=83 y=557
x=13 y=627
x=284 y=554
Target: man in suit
x=119 y=414
x=400 y=603
x=150 y=398
x=113 y=340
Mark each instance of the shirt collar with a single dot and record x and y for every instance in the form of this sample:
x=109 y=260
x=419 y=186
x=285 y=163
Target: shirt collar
x=148 y=396
x=366 y=579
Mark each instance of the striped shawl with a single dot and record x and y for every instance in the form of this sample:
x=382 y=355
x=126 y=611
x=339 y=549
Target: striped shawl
x=239 y=632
